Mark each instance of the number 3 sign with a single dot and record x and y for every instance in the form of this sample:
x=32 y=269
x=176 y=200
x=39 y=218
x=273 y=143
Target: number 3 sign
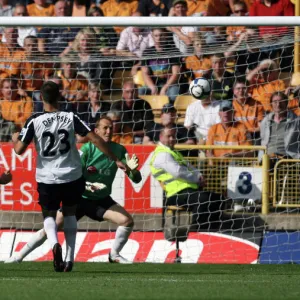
x=244 y=183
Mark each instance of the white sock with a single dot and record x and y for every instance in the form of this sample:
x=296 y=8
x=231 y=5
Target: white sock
x=122 y=235
x=36 y=240
x=51 y=231
x=70 y=230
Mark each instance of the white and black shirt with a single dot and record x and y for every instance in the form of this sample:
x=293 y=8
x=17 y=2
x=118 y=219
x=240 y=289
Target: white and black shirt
x=58 y=159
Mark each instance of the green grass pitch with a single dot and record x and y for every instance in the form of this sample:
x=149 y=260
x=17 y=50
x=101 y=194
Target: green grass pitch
x=37 y=280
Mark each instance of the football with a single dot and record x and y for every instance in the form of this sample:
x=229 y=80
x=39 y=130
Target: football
x=200 y=88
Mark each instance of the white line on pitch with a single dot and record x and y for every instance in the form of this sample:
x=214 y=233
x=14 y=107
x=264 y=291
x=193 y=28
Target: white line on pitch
x=134 y=279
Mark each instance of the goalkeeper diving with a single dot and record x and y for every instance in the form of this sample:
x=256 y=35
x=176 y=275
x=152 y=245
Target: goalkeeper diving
x=99 y=172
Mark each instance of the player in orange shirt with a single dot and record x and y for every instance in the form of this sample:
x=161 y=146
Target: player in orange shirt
x=121 y=8
x=40 y=9
x=197 y=63
x=268 y=72
x=247 y=110
x=14 y=107
x=75 y=86
x=8 y=51
x=228 y=133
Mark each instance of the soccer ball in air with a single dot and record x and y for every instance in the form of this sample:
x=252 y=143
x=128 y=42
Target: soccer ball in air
x=200 y=88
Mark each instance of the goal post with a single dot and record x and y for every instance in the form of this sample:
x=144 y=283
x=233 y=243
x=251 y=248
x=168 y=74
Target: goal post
x=99 y=68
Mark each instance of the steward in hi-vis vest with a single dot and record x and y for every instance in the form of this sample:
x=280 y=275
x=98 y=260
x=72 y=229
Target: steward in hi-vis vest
x=182 y=182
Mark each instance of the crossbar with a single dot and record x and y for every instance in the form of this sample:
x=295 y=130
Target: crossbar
x=147 y=21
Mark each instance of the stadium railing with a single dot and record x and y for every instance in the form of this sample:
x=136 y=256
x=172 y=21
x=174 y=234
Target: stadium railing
x=215 y=169
x=280 y=186
x=286 y=183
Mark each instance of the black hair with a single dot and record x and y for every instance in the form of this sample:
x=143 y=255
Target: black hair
x=50 y=92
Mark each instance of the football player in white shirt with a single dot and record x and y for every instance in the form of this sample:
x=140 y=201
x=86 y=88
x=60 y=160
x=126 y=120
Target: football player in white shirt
x=58 y=171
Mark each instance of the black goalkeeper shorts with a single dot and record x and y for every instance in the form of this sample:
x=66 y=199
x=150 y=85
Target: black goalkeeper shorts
x=94 y=209
x=52 y=195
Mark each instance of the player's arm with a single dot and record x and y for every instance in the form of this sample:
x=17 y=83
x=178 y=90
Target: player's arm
x=132 y=172
x=83 y=130
x=22 y=139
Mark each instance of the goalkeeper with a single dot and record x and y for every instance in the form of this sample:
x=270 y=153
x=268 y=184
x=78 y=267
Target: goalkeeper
x=96 y=203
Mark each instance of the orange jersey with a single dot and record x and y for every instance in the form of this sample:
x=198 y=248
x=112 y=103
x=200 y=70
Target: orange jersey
x=112 y=8
x=249 y=3
x=198 y=65
x=197 y=6
x=73 y=86
x=17 y=111
x=36 y=11
x=217 y=8
x=263 y=92
x=125 y=138
x=232 y=136
x=78 y=11
x=250 y=114
x=9 y=57
x=31 y=74
x=235 y=31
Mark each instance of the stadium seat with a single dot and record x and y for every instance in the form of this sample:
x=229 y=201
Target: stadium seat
x=156 y=102
x=181 y=103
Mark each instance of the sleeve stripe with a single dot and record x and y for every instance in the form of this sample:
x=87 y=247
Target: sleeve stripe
x=87 y=127
x=26 y=130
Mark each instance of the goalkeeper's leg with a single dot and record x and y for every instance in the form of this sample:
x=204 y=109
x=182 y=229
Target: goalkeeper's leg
x=118 y=215
x=107 y=209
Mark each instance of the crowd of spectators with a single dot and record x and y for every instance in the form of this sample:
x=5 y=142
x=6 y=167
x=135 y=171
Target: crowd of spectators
x=245 y=77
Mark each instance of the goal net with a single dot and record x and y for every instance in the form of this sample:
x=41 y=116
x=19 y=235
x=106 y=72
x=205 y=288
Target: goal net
x=139 y=77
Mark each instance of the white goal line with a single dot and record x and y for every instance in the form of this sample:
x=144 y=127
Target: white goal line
x=147 y=21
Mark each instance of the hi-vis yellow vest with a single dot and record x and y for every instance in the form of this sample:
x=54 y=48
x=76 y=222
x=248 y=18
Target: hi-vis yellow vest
x=172 y=185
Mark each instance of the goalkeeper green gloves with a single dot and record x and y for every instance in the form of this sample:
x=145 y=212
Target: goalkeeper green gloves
x=133 y=162
x=94 y=186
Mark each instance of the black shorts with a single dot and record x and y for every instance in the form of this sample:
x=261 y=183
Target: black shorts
x=94 y=209
x=69 y=194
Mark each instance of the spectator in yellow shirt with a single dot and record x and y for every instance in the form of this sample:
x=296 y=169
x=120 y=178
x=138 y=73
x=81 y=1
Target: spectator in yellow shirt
x=8 y=51
x=32 y=72
x=197 y=63
x=121 y=134
x=121 y=8
x=268 y=72
x=40 y=8
x=234 y=32
x=227 y=133
x=75 y=86
x=14 y=107
x=218 y=8
x=197 y=7
x=247 y=110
